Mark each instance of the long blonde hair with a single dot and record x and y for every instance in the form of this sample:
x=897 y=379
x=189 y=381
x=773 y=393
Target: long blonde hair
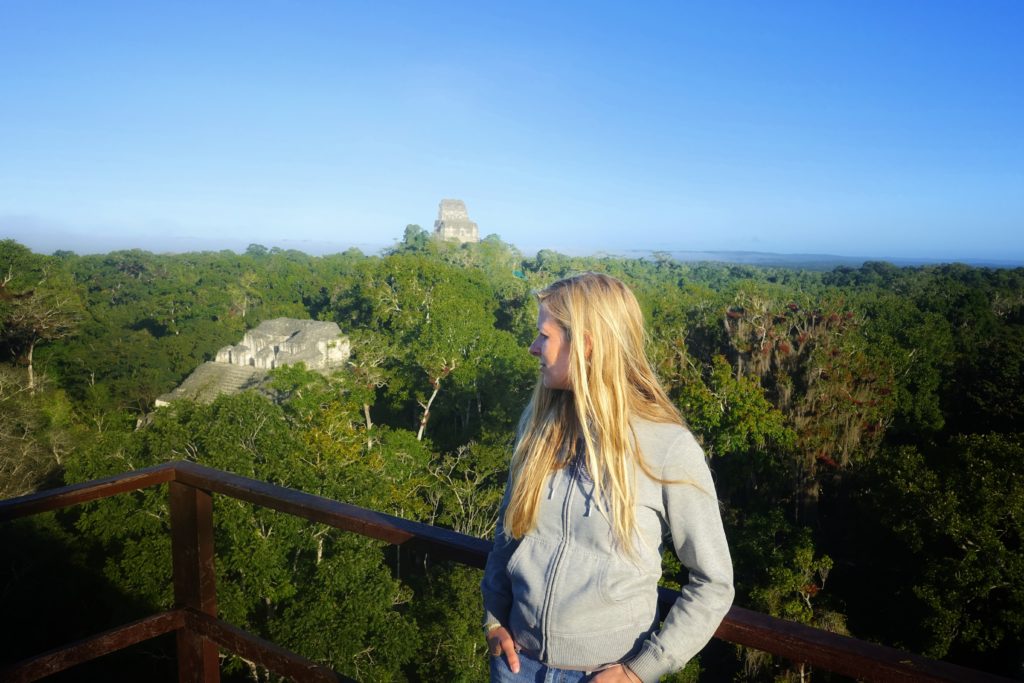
x=611 y=381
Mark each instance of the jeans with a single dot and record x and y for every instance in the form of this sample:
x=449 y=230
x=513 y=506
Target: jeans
x=532 y=671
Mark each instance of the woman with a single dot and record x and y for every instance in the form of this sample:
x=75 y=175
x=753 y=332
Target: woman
x=602 y=472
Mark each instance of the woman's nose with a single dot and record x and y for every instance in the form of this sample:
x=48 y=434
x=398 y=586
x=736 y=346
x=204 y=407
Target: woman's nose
x=535 y=348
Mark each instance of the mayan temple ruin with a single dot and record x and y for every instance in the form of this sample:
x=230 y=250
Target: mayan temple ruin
x=281 y=341
x=453 y=222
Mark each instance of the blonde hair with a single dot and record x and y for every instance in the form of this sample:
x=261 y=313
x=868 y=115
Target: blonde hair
x=611 y=381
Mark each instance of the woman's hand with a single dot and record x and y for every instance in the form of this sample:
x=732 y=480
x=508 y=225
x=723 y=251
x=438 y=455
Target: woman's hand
x=620 y=673
x=499 y=642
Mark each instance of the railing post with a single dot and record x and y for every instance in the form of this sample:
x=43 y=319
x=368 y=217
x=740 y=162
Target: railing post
x=195 y=583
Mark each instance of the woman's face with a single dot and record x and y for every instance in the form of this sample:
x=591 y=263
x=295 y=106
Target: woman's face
x=552 y=348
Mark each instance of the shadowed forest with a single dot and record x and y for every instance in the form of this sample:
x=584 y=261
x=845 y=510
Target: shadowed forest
x=864 y=427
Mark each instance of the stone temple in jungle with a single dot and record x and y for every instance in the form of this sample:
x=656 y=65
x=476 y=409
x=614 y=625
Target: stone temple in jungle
x=453 y=222
x=281 y=341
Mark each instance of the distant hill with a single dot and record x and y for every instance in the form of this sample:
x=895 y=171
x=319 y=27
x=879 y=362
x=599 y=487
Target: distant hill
x=46 y=240
x=807 y=261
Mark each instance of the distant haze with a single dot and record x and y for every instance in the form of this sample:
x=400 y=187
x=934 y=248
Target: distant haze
x=50 y=241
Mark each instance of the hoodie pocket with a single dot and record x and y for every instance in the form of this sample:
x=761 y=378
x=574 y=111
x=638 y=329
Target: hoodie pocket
x=621 y=581
x=586 y=598
x=527 y=569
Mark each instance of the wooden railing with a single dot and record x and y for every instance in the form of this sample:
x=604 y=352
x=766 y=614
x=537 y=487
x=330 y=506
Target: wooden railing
x=200 y=633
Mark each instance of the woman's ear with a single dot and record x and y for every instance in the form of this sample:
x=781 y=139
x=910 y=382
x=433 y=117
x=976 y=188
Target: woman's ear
x=588 y=345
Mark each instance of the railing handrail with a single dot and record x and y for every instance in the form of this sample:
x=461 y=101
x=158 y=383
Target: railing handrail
x=794 y=641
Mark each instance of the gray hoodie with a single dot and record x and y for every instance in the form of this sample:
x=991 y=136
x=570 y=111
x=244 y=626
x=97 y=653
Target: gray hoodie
x=572 y=600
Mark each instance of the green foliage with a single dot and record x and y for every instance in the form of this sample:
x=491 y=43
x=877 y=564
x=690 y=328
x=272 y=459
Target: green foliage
x=781 y=573
x=278 y=576
x=37 y=433
x=961 y=505
x=447 y=608
x=445 y=354
x=919 y=345
x=414 y=239
x=343 y=614
x=39 y=304
x=868 y=415
x=732 y=413
x=466 y=488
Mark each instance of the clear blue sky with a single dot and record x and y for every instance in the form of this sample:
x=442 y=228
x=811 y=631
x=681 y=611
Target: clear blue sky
x=860 y=128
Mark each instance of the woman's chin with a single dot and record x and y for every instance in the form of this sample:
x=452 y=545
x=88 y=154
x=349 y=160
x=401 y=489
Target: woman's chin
x=554 y=386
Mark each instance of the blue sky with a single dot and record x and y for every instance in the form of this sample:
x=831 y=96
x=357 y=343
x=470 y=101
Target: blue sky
x=877 y=129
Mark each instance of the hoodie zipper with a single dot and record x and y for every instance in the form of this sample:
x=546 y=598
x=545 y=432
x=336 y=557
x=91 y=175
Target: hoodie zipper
x=559 y=556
